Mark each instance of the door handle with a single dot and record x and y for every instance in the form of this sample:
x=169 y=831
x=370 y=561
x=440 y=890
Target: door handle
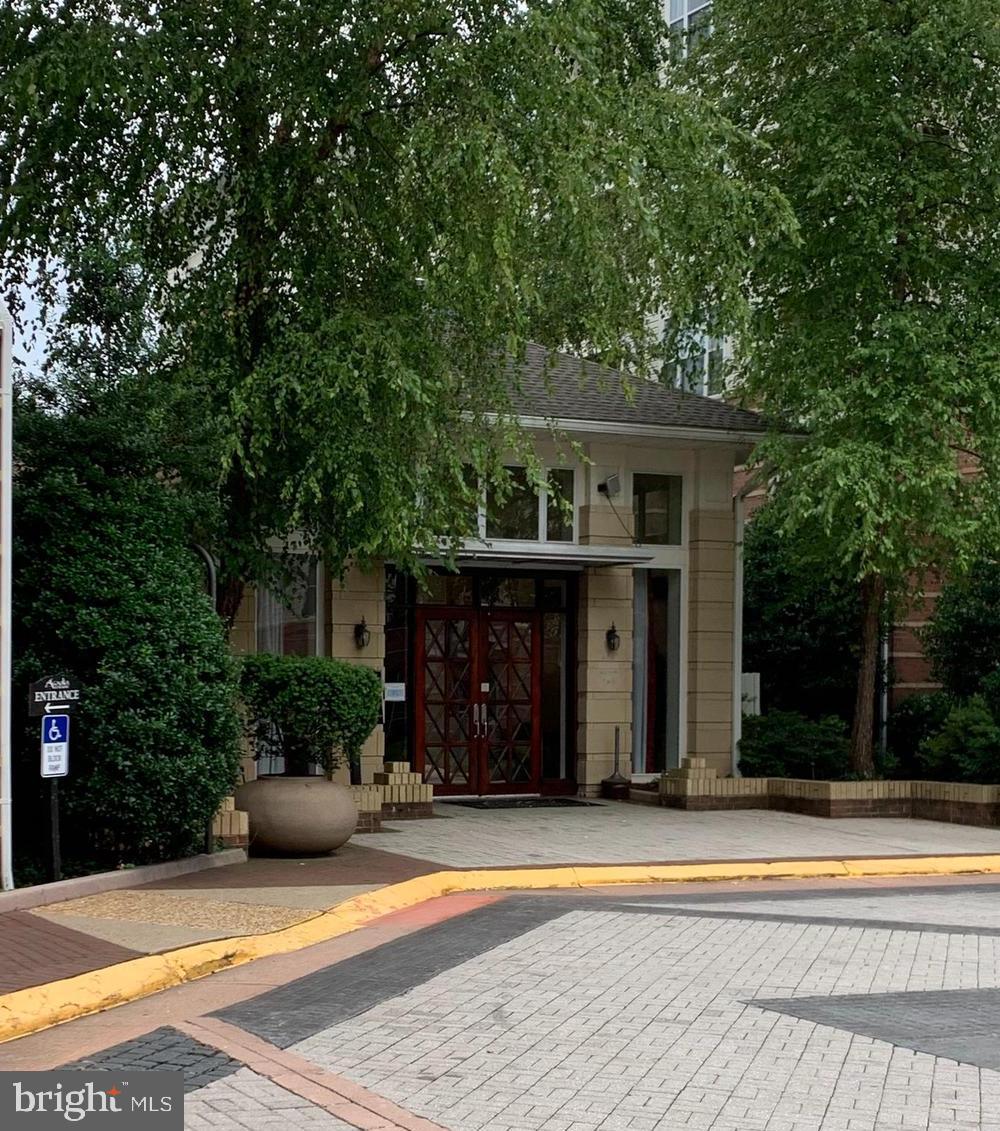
x=475 y=719
x=483 y=723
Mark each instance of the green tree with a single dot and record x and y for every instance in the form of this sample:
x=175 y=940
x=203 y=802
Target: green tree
x=349 y=217
x=875 y=335
x=107 y=591
x=962 y=639
x=800 y=621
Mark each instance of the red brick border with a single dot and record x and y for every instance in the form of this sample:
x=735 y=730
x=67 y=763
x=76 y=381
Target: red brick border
x=340 y=1097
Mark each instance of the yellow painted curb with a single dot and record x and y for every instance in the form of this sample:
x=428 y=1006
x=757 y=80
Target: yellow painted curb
x=40 y=1007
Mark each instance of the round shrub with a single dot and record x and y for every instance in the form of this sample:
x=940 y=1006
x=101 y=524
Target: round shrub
x=967 y=748
x=107 y=591
x=785 y=744
x=911 y=722
x=309 y=710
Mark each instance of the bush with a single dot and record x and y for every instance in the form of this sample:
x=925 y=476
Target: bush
x=310 y=710
x=967 y=748
x=785 y=744
x=107 y=591
x=911 y=722
x=962 y=640
x=801 y=623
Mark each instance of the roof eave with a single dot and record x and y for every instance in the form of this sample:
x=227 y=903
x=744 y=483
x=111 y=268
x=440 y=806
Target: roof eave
x=733 y=437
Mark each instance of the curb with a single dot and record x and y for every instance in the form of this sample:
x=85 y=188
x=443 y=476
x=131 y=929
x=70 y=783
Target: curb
x=40 y=1007
x=40 y=895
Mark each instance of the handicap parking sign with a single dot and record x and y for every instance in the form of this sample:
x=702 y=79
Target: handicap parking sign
x=55 y=746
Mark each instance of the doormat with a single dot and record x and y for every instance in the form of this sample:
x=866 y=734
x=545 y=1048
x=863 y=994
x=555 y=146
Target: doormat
x=518 y=802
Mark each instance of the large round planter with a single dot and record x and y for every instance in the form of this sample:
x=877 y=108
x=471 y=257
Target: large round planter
x=306 y=815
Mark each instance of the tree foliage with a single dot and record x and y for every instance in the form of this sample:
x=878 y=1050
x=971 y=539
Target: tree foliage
x=106 y=591
x=875 y=335
x=962 y=639
x=800 y=621
x=349 y=216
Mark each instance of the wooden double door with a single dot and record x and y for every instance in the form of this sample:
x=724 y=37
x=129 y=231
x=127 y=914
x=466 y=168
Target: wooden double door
x=477 y=700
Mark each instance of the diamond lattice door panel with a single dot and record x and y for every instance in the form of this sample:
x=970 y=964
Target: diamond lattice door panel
x=512 y=732
x=477 y=700
x=444 y=710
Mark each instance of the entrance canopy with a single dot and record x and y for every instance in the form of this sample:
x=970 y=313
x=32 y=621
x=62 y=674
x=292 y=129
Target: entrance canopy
x=563 y=555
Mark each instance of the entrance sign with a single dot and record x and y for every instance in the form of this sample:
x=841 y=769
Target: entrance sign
x=55 y=746
x=53 y=695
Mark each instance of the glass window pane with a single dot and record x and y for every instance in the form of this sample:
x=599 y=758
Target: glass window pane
x=656 y=506
x=444 y=589
x=559 y=514
x=286 y=620
x=699 y=26
x=553 y=696
x=676 y=10
x=502 y=590
x=517 y=515
x=715 y=382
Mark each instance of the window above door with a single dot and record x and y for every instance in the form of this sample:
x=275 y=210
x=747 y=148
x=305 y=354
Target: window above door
x=528 y=515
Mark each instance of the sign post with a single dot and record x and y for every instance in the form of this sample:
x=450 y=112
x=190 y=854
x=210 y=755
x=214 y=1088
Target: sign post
x=54 y=698
x=6 y=568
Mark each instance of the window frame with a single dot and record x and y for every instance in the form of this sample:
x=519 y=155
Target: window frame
x=542 y=497
x=660 y=547
x=319 y=615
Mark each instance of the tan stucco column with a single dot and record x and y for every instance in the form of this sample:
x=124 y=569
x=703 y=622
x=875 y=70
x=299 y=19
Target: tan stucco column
x=359 y=595
x=712 y=558
x=604 y=678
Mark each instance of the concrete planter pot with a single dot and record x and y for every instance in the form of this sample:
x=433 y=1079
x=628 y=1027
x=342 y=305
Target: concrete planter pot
x=298 y=815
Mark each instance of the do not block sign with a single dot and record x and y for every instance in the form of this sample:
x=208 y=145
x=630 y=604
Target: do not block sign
x=55 y=746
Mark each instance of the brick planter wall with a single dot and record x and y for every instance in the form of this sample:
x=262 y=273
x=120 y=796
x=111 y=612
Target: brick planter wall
x=697 y=787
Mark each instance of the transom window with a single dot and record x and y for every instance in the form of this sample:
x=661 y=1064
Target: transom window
x=657 y=502
x=527 y=515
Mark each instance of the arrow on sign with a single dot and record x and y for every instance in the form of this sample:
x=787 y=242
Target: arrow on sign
x=55 y=708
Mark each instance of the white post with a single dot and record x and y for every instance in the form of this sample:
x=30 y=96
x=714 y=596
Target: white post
x=6 y=552
x=739 y=521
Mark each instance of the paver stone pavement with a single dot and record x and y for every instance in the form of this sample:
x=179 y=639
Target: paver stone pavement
x=800 y=1006
x=266 y=894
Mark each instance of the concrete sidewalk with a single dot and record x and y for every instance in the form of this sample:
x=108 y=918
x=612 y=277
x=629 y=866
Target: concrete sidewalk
x=265 y=895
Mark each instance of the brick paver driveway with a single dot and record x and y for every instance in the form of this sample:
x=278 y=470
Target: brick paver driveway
x=845 y=1006
x=618 y=833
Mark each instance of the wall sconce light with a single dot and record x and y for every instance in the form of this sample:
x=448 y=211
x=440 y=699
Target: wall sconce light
x=613 y=639
x=362 y=634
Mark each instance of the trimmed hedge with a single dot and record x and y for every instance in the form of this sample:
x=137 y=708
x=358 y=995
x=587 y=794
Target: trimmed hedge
x=785 y=744
x=309 y=710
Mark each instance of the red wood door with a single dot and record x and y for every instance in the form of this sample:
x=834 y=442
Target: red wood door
x=510 y=689
x=445 y=737
x=477 y=693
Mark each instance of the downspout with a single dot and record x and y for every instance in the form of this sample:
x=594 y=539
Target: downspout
x=6 y=575
x=883 y=720
x=739 y=506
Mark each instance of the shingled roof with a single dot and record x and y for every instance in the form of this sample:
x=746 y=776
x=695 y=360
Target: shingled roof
x=561 y=387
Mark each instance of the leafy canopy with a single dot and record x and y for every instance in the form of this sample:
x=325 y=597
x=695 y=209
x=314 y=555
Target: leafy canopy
x=800 y=620
x=347 y=215
x=106 y=590
x=876 y=335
